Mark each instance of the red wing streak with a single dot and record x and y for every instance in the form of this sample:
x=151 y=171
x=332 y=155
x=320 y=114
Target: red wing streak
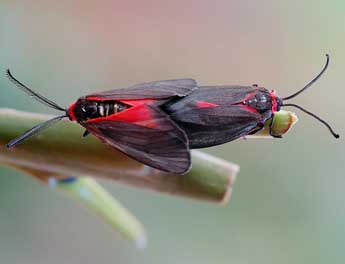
x=248 y=108
x=146 y=134
x=203 y=104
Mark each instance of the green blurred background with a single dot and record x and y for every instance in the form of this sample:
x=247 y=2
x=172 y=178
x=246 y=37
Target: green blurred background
x=288 y=201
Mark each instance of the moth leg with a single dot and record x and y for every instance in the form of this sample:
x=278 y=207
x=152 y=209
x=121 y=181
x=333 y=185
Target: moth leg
x=270 y=129
x=86 y=133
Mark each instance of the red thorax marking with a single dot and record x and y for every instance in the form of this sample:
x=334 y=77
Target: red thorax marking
x=246 y=107
x=274 y=101
x=248 y=96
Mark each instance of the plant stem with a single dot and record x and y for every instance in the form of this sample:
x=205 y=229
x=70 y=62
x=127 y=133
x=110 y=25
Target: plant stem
x=60 y=150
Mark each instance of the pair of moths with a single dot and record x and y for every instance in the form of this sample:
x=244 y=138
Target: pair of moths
x=157 y=123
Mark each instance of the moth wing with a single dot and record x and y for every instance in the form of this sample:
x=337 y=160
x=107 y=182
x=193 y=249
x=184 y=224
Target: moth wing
x=219 y=95
x=151 y=90
x=206 y=127
x=161 y=145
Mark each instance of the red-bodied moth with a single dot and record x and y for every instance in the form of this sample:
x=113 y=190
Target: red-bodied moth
x=157 y=123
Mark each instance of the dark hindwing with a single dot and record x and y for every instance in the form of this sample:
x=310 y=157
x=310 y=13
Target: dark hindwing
x=164 y=146
x=206 y=127
x=151 y=90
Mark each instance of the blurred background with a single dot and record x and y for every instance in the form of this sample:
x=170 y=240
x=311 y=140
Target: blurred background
x=288 y=201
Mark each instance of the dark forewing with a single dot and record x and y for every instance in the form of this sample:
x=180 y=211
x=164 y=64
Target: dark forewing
x=208 y=127
x=219 y=95
x=163 y=146
x=151 y=90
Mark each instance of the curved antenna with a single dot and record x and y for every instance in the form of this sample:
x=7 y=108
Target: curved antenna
x=34 y=131
x=31 y=93
x=311 y=82
x=316 y=117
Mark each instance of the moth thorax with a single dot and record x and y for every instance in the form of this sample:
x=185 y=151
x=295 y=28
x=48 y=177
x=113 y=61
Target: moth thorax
x=260 y=101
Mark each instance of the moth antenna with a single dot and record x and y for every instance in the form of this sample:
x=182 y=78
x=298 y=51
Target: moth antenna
x=34 y=131
x=316 y=117
x=31 y=93
x=311 y=82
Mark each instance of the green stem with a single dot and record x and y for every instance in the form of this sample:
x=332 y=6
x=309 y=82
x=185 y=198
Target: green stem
x=89 y=193
x=61 y=150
